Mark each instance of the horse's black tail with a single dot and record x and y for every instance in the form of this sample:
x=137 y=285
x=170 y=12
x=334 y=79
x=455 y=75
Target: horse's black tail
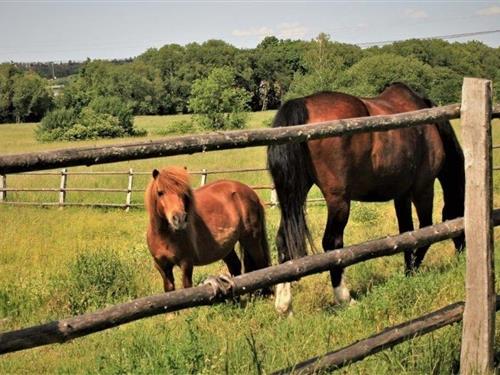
x=452 y=176
x=290 y=169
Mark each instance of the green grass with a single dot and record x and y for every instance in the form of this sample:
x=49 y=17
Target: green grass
x=56 y=262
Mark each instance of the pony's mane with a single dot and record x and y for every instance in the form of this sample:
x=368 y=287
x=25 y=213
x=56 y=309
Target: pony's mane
x=173 y=180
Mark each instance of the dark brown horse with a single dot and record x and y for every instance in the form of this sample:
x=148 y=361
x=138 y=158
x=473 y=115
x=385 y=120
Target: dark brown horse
x=190 y=228
x=399 y=165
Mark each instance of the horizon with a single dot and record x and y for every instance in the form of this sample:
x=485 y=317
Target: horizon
x=68 y=30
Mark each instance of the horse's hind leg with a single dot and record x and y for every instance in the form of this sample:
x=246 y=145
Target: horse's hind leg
x=233 y=263
x=333 y=238
x=405 y=223
x=423 y=202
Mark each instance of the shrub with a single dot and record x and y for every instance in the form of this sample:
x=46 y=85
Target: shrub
x=115 y=106
x=96 y=279
x=103 y=118
x=55 y=124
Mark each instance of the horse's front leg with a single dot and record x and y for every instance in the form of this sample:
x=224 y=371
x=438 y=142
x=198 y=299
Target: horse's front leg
x=333 y=238
x=187 y=273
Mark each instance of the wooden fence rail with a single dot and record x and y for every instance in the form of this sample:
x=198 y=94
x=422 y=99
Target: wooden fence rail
x=222 y=141
x=225 y=288
x=65 y=175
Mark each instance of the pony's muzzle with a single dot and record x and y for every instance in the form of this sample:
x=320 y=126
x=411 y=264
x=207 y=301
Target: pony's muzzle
x=179 y=221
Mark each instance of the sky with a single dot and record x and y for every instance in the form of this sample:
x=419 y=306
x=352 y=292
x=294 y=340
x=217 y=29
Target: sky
x=62 y=30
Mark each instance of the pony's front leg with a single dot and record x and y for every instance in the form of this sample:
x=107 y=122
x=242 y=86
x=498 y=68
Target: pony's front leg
x=333 y=238
x=166 y=271
x=187 y=273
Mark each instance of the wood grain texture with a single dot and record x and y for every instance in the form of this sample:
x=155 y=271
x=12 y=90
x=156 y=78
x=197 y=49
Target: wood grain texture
x=479 y=315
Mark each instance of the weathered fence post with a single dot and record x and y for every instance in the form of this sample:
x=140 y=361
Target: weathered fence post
x=3 y=185
x=128 y=200
x=204 y=176
x=479 y=315
x=62 y=187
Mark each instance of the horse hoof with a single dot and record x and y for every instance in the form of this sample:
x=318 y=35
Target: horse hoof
x=342 y=295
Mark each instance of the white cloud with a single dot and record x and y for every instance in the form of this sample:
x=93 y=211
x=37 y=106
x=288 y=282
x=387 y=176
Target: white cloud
x=491 y=11
x=291 y=31
x=254 y=31
x=416 y=13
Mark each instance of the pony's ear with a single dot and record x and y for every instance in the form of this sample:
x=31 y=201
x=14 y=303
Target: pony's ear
x=185 y=168
x=155 y=173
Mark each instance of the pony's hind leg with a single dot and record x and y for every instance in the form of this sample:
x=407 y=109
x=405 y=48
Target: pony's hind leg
x=255 y=256
x=333 y=238
x=405 y=224
x=233 y=263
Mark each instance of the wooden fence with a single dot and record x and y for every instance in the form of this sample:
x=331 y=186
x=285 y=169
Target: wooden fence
x=480 y=303
x=131 y=187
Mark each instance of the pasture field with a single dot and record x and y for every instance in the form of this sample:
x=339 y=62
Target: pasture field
x=57 y=263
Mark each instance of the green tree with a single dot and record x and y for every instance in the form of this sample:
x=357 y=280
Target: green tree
x=217 y=103
x=370 y=75
x=7 y=72
x=325 y=62
x=31 y=97
x=276 y=62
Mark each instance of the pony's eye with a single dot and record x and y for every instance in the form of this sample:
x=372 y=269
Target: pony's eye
x=160 y=193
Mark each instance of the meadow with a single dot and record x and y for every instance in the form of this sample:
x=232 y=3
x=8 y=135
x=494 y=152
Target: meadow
x=56 y=263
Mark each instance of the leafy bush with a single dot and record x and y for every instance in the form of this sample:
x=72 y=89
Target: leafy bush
x=103 y=118
x=115 y=106
x=96 y=279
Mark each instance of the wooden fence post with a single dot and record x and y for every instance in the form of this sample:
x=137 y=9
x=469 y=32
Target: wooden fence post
x=479 y=315
x=204 y=176
x=128 y=200
x=62 y=187
x=3 y=185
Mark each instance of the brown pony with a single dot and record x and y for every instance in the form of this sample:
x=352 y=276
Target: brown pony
x=399 y=165
x=191 y=228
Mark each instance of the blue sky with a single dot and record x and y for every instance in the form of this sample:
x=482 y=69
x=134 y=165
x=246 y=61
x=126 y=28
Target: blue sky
x=65 y=29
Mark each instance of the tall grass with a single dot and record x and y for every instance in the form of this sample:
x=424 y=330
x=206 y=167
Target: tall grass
x=54 y=263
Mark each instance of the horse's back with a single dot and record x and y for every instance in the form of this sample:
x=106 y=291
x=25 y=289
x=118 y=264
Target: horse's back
x=373 y=165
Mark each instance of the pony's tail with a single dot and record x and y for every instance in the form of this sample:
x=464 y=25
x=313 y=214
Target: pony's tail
x=452 y=176
x=290 y=167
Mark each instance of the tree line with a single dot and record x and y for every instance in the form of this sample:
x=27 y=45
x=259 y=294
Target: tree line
x=163 y=81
